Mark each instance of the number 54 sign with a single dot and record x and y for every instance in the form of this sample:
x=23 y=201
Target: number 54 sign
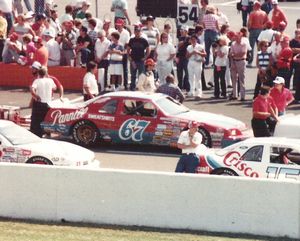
x=187 y=14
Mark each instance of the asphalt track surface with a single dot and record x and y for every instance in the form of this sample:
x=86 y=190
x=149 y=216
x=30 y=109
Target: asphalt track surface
x=164 y=159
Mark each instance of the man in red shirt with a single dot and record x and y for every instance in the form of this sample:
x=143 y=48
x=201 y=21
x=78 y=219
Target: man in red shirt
x=41 y=53
x=256 y=23
x=281 y=95
x=284 y=61
x=277 y=15
x=264 y=117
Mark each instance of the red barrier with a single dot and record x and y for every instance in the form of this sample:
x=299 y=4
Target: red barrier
x=14 y=75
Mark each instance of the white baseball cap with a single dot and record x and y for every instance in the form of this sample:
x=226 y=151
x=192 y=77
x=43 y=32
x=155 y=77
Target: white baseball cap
x=36 y=65
x=49 y=33
x=279 y=80
x=275 y=2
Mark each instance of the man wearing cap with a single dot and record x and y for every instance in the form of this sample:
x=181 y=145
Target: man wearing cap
x=284 y=61
x=41 y=53
x=12 y=49
x=120 y=8
x=268 y=33
x=84 y=7
x=41 y=91
x=277 y=15
x=138 y=51
x=264 y=114
x=124 y=40
x=147 y=79
x=152 y=34
x=281 y=95
x=256 y=23
x=189 y=142
x=35 y=67
x=53 y=48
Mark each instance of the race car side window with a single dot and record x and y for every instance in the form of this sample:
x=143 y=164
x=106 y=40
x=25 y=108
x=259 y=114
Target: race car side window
x=254 y=154
x=284 y=155
x=110 y=107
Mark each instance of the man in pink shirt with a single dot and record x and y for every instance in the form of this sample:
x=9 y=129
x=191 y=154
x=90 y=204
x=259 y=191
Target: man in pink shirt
x=256 y=23
x=41 y=53
x=281 y=95
x=277 y=15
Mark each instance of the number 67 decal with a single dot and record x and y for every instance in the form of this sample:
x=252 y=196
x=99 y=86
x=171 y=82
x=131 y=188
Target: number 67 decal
x=133 y=129
x=274 y=173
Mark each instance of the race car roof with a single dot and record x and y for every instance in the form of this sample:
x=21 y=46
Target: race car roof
x=5 y=123
x=273 y=140
x=134 y=94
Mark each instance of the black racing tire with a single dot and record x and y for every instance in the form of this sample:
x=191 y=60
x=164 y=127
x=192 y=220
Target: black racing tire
x=39 y=160
x=85 y=133
x=224 y=172
x=206 y=138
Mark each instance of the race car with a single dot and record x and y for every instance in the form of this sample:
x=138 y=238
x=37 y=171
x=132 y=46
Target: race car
x=268 y=157
x=18 y=145
x=138 y=118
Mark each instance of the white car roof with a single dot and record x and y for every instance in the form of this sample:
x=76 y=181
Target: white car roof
x=273 y=140
x=5 y=123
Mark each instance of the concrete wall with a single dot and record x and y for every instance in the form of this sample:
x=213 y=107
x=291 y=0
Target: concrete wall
x=164 y=200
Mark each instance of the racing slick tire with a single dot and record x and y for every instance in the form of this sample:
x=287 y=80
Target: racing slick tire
x=206 y=138
x=39 y=160
x=224 y=172
x=85 y=133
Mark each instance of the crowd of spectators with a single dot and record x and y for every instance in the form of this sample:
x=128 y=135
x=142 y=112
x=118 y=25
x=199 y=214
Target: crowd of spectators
x=76 y=38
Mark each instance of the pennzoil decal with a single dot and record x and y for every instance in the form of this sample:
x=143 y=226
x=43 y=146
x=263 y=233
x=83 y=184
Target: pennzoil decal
x=133 y=129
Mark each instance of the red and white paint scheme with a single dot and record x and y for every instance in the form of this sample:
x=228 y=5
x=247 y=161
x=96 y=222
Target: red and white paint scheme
x=270 y=157
x=138 y=118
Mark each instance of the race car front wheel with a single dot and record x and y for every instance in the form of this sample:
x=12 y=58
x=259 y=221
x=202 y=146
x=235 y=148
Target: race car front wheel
x=206 y=138
x=224 y=172
x=85 y=133
x=39 y=160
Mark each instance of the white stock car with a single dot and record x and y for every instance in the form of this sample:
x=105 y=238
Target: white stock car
x=18 y=145
x=268 y=157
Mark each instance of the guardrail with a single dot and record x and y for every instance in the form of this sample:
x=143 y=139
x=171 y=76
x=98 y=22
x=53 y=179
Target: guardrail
x=165 y=200
x=14 y=75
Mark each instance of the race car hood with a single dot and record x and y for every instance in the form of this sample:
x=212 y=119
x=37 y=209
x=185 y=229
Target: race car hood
x=68 y=153
x=215 y=119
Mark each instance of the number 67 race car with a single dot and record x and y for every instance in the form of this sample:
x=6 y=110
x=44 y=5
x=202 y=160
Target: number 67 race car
x=269 y=157
x=18 y=145
x=138 y=118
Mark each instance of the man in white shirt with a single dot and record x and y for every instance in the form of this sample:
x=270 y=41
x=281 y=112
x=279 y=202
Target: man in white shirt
x=53 y=48
x=102 y=58
x=190 y=143
x=124 y=39
x=41 y=91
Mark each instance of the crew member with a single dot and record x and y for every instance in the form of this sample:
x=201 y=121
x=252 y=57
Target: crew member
x=190 y=143
x=264 y=114
x=41 y=91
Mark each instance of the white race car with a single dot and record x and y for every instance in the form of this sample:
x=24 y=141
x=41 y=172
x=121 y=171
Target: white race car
x=269 y=157
x=18 y=145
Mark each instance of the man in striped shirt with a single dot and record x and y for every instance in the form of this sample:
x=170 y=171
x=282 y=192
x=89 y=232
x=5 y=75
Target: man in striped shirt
x=152 y=35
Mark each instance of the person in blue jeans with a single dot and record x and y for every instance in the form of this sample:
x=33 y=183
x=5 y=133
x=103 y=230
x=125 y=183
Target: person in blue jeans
x=190 y=143
x=138 y=51
x=85 y=46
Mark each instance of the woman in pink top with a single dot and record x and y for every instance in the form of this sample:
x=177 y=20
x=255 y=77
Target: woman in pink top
x=281 y=95
x=29 y=49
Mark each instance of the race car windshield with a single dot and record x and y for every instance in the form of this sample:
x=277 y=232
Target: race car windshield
x=18 y=135
x=171 y=106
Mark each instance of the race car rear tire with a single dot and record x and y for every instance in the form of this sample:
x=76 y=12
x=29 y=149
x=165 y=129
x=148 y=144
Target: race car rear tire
x=85 y=133
x=206 y=138
x=224 y=172
x=39 y=160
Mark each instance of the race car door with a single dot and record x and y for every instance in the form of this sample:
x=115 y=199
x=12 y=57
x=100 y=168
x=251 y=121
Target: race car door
x=136 y=121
